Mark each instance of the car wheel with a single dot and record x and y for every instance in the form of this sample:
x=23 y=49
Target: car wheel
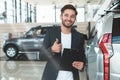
x=11 y=52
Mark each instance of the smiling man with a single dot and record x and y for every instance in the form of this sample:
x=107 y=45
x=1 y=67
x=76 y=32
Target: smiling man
x=57 y=40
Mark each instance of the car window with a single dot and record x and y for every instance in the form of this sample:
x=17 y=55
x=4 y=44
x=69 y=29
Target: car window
x=38 y=32
x=116 y=30
x=31 y=32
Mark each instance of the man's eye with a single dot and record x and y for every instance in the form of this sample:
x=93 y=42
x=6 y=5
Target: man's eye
x=66 y=15
x=72 y=16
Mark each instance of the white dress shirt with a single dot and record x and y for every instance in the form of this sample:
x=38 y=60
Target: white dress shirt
x=66 y=43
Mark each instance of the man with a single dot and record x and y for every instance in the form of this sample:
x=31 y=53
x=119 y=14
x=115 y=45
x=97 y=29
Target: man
x=59 y=38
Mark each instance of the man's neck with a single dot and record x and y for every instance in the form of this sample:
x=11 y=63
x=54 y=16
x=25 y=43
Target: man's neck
x=65 y=30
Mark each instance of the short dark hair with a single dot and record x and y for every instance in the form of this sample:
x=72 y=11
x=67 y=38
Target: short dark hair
x=68 y=6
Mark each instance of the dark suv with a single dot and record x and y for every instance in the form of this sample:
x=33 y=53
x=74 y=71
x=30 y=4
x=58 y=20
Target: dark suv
x=30 y=42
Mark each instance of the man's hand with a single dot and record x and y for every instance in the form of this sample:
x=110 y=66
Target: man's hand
x=78 y=65
x=57 y=47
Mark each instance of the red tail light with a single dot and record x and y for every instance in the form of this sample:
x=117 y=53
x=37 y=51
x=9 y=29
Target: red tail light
x=105 y=45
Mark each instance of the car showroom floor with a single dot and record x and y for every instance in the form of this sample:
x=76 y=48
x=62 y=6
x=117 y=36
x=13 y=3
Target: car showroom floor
x=23 y=68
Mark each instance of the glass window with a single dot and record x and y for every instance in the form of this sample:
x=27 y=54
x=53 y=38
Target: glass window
x=10 y=19
x=58 y=15
x=116 y=30
x=80 y=16
x=116 y=27
x=24 y=9
x=2 y=11
x=9 y=5
x=10 y=13
x=18 y=10
x=2 y=6
x=45 y=14
x=32 y=13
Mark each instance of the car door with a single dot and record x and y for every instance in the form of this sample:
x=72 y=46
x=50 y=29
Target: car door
x=32 y=41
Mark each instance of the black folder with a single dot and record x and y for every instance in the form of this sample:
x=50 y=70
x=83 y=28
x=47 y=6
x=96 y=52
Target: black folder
x=68 y=56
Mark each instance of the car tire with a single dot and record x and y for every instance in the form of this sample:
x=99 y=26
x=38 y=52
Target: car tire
x=11 y=52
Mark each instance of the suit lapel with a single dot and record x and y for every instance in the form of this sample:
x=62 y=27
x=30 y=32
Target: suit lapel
x=73 y=40
x=58 y=34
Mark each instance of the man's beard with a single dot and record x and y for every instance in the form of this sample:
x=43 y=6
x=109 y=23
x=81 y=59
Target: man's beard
x=67 y=26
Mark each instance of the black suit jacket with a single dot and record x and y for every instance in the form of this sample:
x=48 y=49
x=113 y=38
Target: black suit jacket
x=53 y=64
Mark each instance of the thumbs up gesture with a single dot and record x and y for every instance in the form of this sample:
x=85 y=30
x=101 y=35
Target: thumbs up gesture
x=56 y=47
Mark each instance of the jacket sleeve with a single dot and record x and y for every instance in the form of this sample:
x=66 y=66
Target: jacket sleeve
x=48 y=42
x=47 y=45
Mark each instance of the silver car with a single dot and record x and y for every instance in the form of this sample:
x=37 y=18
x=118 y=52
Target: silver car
x=103 y=47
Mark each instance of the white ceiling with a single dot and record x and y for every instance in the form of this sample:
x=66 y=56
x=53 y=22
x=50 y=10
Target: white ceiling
x=61 y=2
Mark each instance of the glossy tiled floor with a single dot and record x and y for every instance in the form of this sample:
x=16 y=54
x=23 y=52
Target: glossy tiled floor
x=21 y=68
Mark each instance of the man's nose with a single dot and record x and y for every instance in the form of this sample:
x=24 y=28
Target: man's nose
x=69 y=18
